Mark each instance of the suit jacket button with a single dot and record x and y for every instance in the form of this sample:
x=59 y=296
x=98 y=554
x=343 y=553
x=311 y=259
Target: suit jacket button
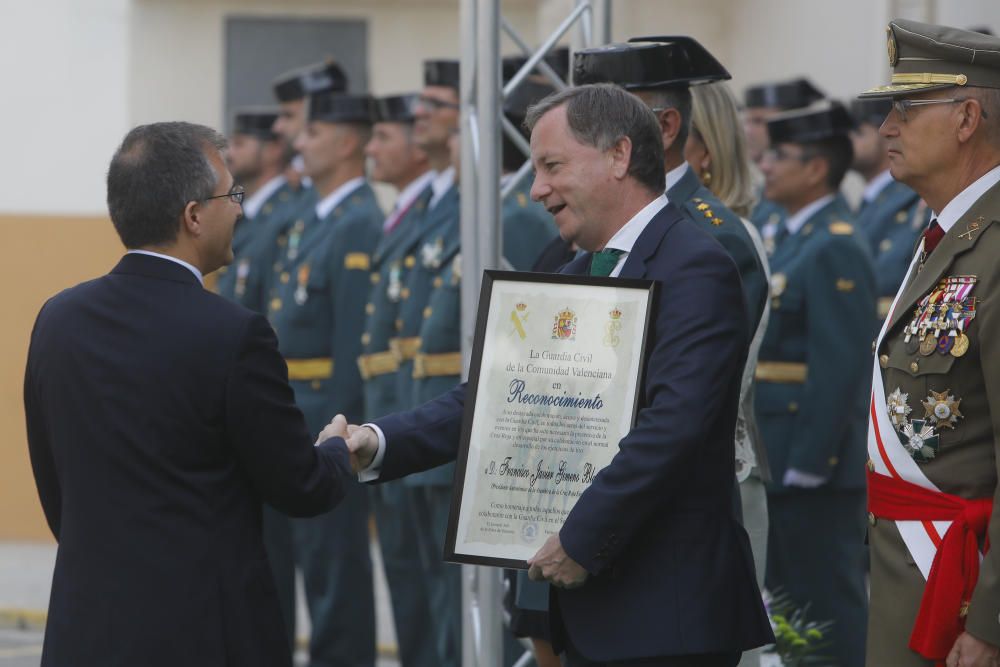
x=793 y=407
x=914 y=366
x=871 y=465
x=883 y=361
x=872 y=520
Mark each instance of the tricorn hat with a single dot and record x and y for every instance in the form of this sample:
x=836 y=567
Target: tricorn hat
x=824 y=120
x=314 y=78
x=648 y=63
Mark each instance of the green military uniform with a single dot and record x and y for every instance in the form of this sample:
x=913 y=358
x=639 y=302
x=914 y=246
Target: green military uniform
x=527 y=227
x=702 y=207
x=317 y=310
x=811 y=393
x=939 y=366
x=245 y=281
x=810 y=376
x=392 y=502
x=768 y=218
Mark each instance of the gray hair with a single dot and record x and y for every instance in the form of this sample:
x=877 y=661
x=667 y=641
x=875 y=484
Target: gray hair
x=989 y=101
x=600 y=115
x=154 y=174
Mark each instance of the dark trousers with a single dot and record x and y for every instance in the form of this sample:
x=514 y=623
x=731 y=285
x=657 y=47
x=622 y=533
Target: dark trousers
x=570 y=658
x=815 y=555
x=405 y=573
x=277 y=533
x=431 y=507
x=332 y=550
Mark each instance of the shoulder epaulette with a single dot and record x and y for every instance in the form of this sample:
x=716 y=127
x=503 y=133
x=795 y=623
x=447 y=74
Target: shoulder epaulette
x=841 y=228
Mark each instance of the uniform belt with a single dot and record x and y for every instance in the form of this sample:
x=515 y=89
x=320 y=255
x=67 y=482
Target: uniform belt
x=377 y=363
x=884 y=304
x=404 y=348
x=790 y=372
x=435 y=365
x=320 y=368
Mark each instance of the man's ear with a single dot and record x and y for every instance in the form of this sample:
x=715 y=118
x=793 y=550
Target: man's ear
x=191 y=223
x=971 y=118
x=620 y=156
x=670 y=126
x=816 y=169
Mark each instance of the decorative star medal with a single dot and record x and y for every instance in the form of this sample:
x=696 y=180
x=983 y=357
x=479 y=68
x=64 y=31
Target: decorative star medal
x=941 y=408
x=898 y=407
x=920 y=440
x=430 y=254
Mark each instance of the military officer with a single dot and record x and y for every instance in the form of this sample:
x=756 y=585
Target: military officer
x=396 y=160
x=435 y=120
x=291 y=89
x=891 y=215
x=527 y=226
x=317 y=310
x=935 y=406
x=762 y=102
x=257 y=158
x=811 y=374
x=660 y=71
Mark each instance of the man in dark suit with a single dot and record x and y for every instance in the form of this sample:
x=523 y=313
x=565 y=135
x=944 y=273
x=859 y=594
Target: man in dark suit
x=651 y=566
x=159 y=418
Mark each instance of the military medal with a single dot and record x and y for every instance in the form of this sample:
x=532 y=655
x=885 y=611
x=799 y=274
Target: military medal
x=961 y=345
x=301 y=293
x=395 y=288
x=242 y=271
x=430 y=254
x=920 y=440
x=941 y=408
x=294 y=238
x=898 y=407
x=945 y=343
x=927 y=345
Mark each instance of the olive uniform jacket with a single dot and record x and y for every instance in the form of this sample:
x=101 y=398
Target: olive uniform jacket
x=961 y=458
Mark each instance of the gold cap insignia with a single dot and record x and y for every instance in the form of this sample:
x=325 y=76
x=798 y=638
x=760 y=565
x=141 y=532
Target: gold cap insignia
x=891 y=45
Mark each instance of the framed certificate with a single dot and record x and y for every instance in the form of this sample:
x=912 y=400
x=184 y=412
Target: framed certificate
x=554 y=385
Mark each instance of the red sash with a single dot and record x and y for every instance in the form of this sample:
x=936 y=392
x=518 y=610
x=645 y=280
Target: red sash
x=955 y=569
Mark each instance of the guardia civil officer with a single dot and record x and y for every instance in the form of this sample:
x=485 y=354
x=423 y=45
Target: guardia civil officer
x=435 y=120
x=761 y=103
x=397 y=161
x=811 y=377
x=935 y=404
x=317 y=309
x=257 y=157
x=890 y=216
x=660 y=71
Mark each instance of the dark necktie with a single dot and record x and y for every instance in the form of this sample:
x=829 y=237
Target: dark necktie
x=932 y=236
x=604 y=262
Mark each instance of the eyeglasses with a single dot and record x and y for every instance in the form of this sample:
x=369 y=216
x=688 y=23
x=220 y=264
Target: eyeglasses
x=902 y=106
x=435 y=104
x=780 y=154
x=235 y=195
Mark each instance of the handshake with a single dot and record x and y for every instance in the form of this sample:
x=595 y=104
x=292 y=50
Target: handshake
x=362 y=441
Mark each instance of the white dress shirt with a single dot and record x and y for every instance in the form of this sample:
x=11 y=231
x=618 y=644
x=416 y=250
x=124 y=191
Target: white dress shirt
x=440 y=185
x=175 y=260
x=676 y=174
x=961 y=204
x=407 y=196
x=330 y=202
x=876 y=186
x=256 y=201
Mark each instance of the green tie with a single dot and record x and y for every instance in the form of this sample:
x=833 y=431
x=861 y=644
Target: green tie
x=603 y=263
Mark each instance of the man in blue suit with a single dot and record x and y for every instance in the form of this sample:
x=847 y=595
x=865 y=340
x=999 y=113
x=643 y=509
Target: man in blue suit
x=651 y=566
x=159 y=417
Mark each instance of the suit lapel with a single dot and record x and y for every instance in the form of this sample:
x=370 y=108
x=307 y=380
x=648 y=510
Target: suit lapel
x=960 y=239
x=649 y=240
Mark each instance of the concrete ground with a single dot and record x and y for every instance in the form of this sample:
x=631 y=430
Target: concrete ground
x=26 y=575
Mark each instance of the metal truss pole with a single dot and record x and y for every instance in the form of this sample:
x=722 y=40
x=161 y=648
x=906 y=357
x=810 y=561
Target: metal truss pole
x=481 y=124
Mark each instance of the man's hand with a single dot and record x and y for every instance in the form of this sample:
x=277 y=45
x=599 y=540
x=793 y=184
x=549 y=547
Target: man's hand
x=971 y=652
x=554 y=565
x=363 y=443
x=337 y=428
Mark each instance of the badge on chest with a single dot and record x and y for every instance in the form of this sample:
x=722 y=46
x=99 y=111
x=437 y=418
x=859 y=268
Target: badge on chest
x=942 y=318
